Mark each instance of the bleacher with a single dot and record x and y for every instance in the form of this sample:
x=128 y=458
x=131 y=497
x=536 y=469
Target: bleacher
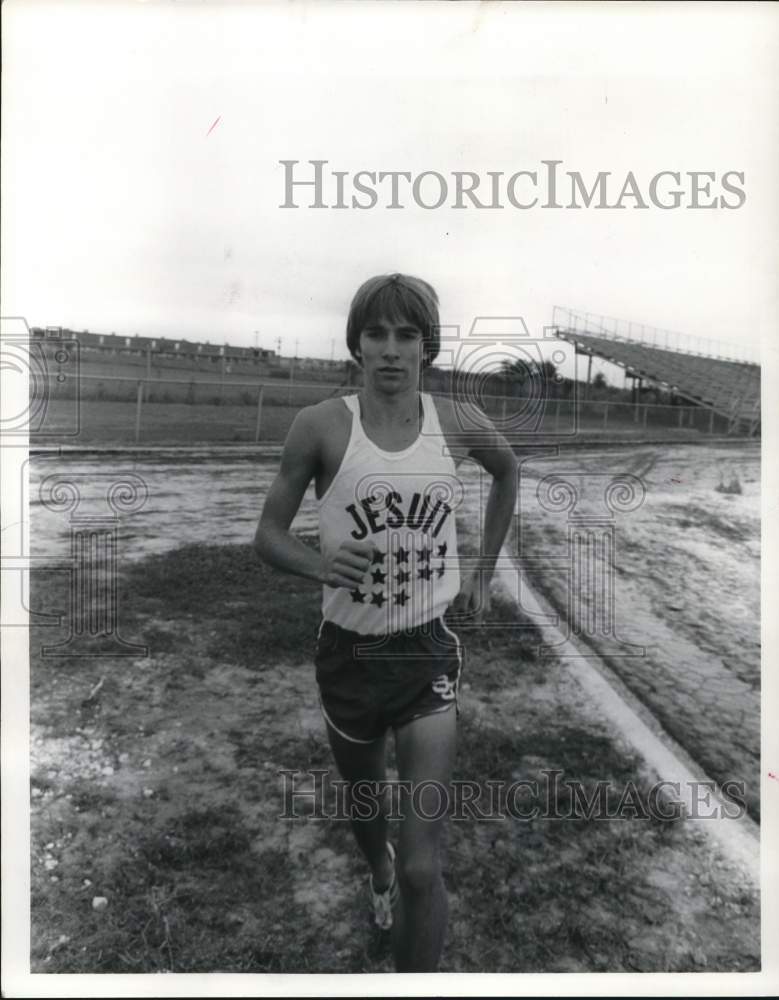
x=730 y=388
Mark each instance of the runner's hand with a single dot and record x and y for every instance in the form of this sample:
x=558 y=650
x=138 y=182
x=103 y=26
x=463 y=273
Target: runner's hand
x=349 y=564
x=473 y=600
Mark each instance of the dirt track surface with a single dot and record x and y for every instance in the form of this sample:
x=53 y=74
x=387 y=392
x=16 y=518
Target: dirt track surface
x=163 y=794
x=687 y=565
x=686 y=588
x=182 y=835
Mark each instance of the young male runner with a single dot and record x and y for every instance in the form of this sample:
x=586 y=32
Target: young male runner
x=388 y=492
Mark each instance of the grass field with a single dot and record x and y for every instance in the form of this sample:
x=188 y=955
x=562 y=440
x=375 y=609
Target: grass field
x=161 y=793
x=104 y=423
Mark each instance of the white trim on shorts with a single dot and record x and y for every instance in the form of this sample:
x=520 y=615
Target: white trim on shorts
x=459 y=660
x=329 y=721
x=351 y=739
x=444 y=708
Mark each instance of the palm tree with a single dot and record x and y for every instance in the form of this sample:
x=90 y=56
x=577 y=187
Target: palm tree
x=522 y=370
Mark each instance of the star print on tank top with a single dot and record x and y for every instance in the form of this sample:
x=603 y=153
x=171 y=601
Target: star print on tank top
x=404 y=503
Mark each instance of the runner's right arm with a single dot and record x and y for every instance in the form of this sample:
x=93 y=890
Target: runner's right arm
x=273 y=541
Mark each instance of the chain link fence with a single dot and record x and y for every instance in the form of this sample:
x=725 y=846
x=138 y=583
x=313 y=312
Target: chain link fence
x=105 y=409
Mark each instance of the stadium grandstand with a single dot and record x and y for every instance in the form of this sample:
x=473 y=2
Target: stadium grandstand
x=706 y=373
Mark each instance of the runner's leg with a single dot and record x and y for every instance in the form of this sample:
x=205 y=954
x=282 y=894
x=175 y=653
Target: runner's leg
x=425 y=752
x=366 y=762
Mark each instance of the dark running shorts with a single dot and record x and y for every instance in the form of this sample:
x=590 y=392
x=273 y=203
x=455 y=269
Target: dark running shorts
x=368 y=684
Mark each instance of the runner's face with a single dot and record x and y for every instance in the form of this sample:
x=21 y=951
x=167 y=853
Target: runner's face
x=391 y=354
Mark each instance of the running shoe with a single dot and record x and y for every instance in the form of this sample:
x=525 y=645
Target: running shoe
x=383 y=902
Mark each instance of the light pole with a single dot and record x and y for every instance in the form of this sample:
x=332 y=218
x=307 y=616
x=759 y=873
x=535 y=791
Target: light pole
x=292 y=374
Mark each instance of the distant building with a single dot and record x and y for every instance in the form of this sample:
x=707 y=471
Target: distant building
x=311 y=364
x=181 y=348
x=161 y=346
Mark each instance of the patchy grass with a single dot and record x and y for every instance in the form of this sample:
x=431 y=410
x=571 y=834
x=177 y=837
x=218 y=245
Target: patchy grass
x=163 y=794
x=253 y=609
x=539 y=880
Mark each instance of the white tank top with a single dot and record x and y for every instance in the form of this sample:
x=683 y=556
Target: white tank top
x=404 y=502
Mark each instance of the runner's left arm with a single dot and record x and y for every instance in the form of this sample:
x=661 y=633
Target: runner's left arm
x=497 y=458
x=463 y=423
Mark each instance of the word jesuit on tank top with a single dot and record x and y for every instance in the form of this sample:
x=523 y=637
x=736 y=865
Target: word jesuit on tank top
x=404 y=503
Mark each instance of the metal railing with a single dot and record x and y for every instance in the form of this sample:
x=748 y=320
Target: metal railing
x=613 y=328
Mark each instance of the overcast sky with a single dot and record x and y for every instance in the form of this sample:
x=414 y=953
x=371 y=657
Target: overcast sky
x=123 y=212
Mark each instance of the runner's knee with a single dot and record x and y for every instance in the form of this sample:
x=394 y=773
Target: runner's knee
x=419 y=872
